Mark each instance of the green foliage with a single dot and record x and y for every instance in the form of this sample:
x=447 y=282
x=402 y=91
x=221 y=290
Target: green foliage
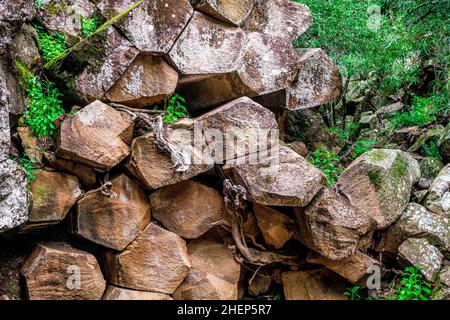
x=422 y=112
x=29 y=164
x=362 y=146
x=38 y=4
x=413 y=285
x=326 y=161
x=50 y=45
x=353 y=293
x=431 y=149
x=88 y=26
x=175 y=109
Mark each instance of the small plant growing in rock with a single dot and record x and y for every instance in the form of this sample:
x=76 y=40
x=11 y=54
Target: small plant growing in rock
x=413 y=285
x=175 y=109
x=88 y=26
x=38 y=4
x=422 y=112
x=51 y=46
x=29 y=164
x=353 y=293
x=326 y=161
x=362 y=146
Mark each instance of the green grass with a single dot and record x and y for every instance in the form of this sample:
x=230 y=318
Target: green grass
x=50 y=45
x=175 y=109
x=423 y=111
x=328 y=162
x=362 y=146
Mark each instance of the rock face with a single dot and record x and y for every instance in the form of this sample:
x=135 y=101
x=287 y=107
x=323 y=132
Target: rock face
x=332 y=226
x=11 y=96
x=32 y=146
x=85 y=174
x=148 y=80
x=56 y=271
x=25 y=48
x=320 y=284
x=97 y=136
x=156 y=261
x=152 y=26
x=54 y=193
x=438 y=198
x=418 y=252
x=230 y=11
x=5 y=135
x=116 y=293
x=282 y=179
x=276 y=227
x=188 y=208
x=379 y=183
x=15 y=198
x=113 y=221
x=430 y=167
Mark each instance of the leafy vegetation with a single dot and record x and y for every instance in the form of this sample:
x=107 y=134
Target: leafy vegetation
x=326 y=161
x=38 y=4
x=51 y=46
x=362 y=146
x=352 y=293
x=88 y=26
x=175 y=109
x=430 y=149
x=422 y=112
x=29 y=164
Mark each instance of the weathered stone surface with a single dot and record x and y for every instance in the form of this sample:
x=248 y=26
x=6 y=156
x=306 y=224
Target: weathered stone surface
x=152 y=26
x=15 y=198
x=97 y=136
x=444 y=144
x=148 y=80
x=85 y=174
x=100 y=75
x=48 y=272
x=31 y=144
x=260 y=284
x=418 y=252
x=283 y=178
x=25 y=48
x=238 y=128
x=187 y=208
x=430 y=167
x=54 y=193
x=228 y=11
x=283 y=19
x=116 y=293
x=353 y=268
x=113 y=221
x=155 y=168
x=276 y=227
x=442 y=290
x=300 y=148
x=438 y=198
x=417 y=222
x=379 y=183
x=332 y=226
x=5 y=131
x=11 y=96
x=320 y=284
x=156 y=261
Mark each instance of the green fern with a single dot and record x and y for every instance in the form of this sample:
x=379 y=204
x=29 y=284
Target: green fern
x=175 y=109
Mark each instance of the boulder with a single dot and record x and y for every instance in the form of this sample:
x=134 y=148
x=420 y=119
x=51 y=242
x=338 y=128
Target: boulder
x=333 y=227
x=276 y=227
x=156 y=261
x=15 y=199
x=32 y=146
x=442 y=289
x=25 y=48
x=260 y=284
x=116 y=293
x=97 y=136
x=300 y=148
x=438 y=198
x=187 y=208
x=154 y=25
x=417 y=222
x=86 y=175
x=56 y=271
x=5 y=131
x=11 y=93
x=379 y=183
x=283 y=19
x=230 y=11
x=320 y=284
x=282 y=178
x=113 y=221
x=353 y=268
x=419 y=253
x=444 y=144
x=430 y=167
x=148 y=80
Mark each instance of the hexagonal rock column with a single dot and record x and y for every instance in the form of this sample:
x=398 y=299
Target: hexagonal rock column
x=156 y=261
x=332 y=226
x=438 y=197
x=148 y=80
x=187 y=208
x=113 y=221
x=229 y=11
x=283 y=19
x=282 y=178
x=116 y=293
x=56 y=271
x=379 y=183
x=154 y=25
x=97 y=136
x=15 y=198
x=54 y=193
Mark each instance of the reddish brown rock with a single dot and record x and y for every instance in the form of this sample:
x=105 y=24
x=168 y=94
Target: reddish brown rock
x=85 y=174
x=32 y=146
x=228 y=11
x=156 y=261
x=97 y=136
x=276 y=227
x=56 y=271
x=113 y=221
x=116 y=293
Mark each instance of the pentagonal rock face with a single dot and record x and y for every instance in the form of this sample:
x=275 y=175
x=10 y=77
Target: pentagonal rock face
x=113 y=221
x=156 y=261
x=104 y=70
x=276 y=227
x=148 y=80
x=419 y=253
x=188 y=208
x=54 y=193
x=155 y=168
x=14 y=195
x=438 y=198
x=283 y=19
x=57 y=271
x=85 y=174
x=332 y=226
x=238 y=128
x=207 y=47
x=115 y=293
x=379 y=183
x=154 y=25
x=97 y=136
x=283 y=178
x=228 y=11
